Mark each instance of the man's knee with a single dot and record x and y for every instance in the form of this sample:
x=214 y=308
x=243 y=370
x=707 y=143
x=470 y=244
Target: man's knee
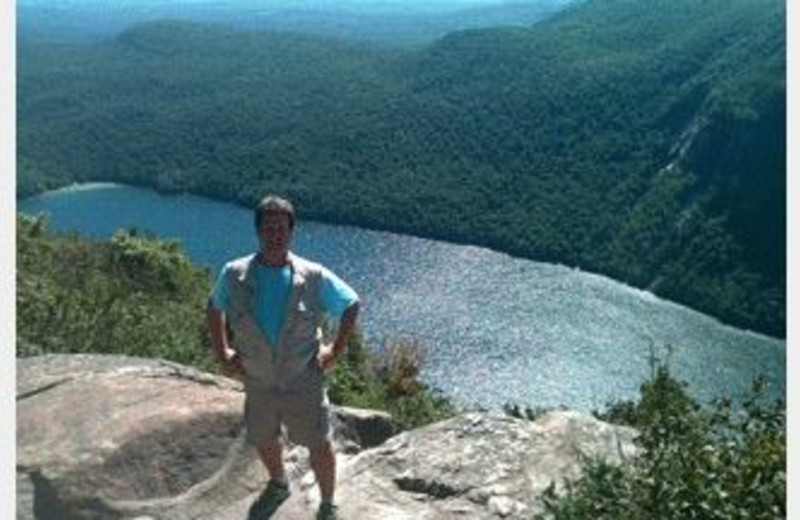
x=323 y=448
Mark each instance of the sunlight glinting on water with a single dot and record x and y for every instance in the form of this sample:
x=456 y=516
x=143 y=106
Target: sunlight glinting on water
x=494 y=329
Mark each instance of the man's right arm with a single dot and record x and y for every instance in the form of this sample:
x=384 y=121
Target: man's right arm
x=216 y=328
x=226 y=356
x=216 y=318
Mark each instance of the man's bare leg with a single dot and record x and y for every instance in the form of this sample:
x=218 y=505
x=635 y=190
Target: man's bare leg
x=277 y=491
x=323 y=462
x=271 y=455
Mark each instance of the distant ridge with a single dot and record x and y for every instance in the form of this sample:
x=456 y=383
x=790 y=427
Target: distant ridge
x=409 y=22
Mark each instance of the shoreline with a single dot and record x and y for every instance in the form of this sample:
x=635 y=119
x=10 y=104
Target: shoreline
x=82 y=186
x=95 y=185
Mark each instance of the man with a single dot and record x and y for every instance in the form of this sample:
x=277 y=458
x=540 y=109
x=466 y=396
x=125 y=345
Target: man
x=274 y=303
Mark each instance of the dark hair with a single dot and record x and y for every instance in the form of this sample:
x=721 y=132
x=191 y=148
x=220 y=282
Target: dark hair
x=274 y=204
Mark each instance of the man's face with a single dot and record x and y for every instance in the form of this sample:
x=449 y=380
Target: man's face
x=274 y=234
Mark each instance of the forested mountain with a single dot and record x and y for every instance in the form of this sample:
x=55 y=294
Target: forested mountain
x=640 y=139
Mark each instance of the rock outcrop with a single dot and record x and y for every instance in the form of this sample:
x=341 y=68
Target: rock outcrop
x=112 y=437
x=476 y=466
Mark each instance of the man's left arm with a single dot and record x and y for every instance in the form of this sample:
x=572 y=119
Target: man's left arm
x=340 y=300
x=331 y=352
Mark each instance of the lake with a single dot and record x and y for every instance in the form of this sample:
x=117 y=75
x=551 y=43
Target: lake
x=494 y=328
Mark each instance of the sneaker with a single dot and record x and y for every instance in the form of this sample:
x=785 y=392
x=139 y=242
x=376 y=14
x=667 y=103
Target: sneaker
x=326 y=511
x=268 y=501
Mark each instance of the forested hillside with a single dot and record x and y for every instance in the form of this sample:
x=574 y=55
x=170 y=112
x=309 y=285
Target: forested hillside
x=640 y=139
x=133 y=295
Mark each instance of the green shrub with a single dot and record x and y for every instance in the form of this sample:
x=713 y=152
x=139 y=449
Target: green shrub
x=390 y=382
x=726 y=461
x=132 y=295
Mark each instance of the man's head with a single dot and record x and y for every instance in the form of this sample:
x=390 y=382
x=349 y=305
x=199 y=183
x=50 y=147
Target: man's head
x=274 y=222
x=274 y=204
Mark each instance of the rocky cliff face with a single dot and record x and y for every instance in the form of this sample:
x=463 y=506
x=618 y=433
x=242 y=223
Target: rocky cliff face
x=111 y=437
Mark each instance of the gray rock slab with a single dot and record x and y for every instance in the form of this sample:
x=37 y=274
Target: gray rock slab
x=475 y=466
x=113 y=437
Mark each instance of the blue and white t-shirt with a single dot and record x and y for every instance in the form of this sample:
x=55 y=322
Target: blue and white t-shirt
x=273 y=288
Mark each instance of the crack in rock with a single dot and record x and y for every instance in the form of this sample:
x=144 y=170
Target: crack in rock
x=433 y=488
x=42 y=389
x=178 y=372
